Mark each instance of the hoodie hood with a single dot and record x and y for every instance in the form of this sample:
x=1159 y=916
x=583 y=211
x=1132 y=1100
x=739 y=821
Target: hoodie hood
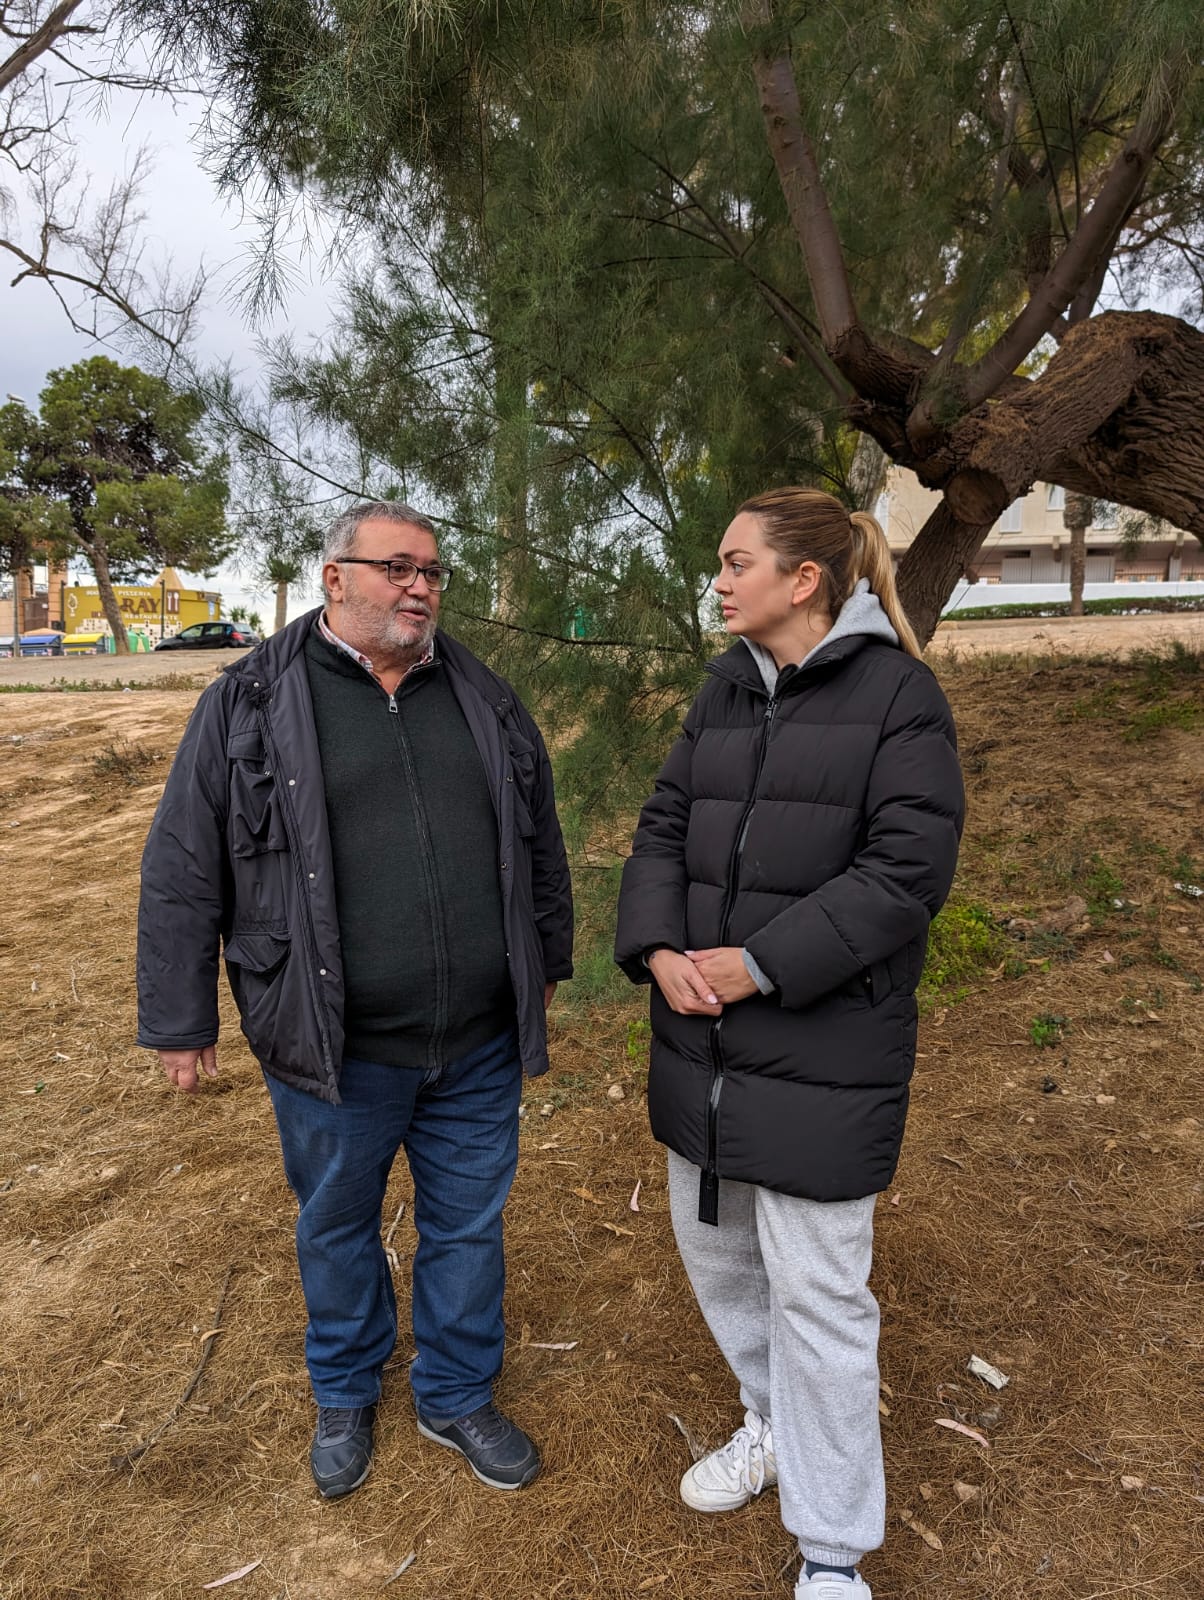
x=861 y=614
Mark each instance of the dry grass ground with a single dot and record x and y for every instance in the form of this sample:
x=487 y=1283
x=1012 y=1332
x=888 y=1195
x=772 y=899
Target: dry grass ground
x=1047 y=1216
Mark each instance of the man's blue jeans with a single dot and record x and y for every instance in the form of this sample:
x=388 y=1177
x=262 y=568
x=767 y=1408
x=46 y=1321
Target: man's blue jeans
x=460 y=1133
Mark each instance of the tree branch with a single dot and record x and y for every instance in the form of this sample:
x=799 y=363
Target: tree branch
x=1092 y=239
x=798 y=173
x=590 y=644
x=40 y=41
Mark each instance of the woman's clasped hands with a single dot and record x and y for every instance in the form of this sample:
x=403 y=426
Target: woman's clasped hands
x=701 y=982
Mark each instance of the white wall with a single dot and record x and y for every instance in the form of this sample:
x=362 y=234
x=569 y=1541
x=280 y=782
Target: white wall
x=971 y=595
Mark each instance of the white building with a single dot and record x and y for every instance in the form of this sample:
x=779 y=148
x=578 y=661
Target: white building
x=1029 y=544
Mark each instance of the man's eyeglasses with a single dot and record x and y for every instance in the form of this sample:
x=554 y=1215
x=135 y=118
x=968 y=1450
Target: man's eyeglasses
x=403 y=573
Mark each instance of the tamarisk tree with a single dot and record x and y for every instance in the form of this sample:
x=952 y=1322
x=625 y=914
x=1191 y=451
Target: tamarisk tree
x=953 y=228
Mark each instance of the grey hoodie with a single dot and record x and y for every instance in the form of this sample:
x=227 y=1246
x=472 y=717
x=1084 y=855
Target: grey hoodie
x=861 y=613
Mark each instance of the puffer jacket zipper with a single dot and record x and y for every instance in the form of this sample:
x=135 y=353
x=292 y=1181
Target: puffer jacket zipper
x=708 y=1184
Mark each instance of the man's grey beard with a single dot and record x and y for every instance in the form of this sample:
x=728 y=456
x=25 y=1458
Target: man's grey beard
x=379 y=636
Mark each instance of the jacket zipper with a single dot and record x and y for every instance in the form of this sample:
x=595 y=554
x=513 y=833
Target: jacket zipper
x=309 y=942
x=708 y=1183
x=426 y=853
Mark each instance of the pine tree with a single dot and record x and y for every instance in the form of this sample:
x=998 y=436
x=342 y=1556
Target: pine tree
x=115 y=469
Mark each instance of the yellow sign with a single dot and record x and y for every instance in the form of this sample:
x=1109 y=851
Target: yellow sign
x=164 y=601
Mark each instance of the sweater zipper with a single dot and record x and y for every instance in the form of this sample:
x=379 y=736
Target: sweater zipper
x=708 y=1184
x=439 y=1031
x=309 y=943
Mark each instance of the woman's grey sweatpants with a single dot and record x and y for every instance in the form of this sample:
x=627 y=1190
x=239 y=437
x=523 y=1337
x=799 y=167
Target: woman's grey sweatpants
x=782 y=1285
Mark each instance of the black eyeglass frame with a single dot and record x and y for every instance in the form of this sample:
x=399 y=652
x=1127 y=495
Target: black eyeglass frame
x=444 y=574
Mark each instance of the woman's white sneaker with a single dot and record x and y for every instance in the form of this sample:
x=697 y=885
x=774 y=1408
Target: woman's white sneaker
x=823 y=1587
x=735 y=1473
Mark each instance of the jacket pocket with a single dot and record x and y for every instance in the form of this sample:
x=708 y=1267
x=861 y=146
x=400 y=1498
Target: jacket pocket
x=872 y=984
x=255 y=822
x=256 y=965
x=259 y=952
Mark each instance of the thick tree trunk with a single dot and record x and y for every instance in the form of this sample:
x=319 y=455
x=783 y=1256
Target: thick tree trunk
x=98 y=557
x=939 y=555
x=1076 y=518
x=281 y=606
x=1117 y=415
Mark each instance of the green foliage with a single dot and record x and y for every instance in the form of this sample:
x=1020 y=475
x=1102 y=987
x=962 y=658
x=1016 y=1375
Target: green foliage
x=1046 y=1030
x=1163 y=684
x=964 y=945
x=1102 y=887
x=113 y=468
x=1122 y=606
x=1155 y=719
x=169 y=680
x=596 y=979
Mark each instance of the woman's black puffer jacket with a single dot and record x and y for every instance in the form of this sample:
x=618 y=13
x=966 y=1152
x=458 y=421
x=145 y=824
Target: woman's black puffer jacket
x=818 y=828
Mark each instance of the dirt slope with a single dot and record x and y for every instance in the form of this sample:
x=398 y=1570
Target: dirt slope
x=1047 y=1217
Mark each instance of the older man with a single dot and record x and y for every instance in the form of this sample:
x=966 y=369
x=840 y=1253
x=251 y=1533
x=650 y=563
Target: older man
x=361 y=813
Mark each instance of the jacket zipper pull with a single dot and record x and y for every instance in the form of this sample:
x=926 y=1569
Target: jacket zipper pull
x=393 y=706
x=708 y=1197
x=771 y=708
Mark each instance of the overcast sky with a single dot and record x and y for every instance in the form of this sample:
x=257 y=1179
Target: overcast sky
x=186 y=220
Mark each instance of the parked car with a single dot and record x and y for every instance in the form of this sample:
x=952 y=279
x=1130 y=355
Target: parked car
x=211 y=636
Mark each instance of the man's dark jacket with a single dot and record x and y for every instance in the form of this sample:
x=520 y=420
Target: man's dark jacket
x=239 y=856
x=818 y=829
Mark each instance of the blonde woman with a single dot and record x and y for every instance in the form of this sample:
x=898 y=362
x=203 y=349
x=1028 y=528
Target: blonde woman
x=801 y=836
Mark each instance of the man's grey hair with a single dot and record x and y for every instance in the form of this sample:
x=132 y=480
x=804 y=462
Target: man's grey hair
x=340 y=539
x=343 y=530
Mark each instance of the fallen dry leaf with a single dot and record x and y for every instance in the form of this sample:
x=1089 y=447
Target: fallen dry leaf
x=965 y=1492
x=233 y=1577
x=613 y=1227
x=925 y=1533
x=587 y=1194
x=404 y=1567
x=1131 y=1483
x=534 y=1344
x=634 y=1202
x=960 y=1427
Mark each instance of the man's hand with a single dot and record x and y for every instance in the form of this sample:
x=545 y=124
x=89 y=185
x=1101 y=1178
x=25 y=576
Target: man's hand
x=181 y=1066
x=723 y=970
x=685 y=990
x=549 y=989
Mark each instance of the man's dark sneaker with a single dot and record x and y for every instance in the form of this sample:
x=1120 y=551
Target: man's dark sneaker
x=341 y=1457
x=498 y=1451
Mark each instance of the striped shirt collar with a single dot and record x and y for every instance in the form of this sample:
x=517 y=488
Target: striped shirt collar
x=360 y=658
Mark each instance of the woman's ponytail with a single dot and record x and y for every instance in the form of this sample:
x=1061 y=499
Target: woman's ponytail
x=807 y=525
x=871 y=559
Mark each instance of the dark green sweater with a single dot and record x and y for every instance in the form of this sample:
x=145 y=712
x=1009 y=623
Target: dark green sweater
x=413 y=834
